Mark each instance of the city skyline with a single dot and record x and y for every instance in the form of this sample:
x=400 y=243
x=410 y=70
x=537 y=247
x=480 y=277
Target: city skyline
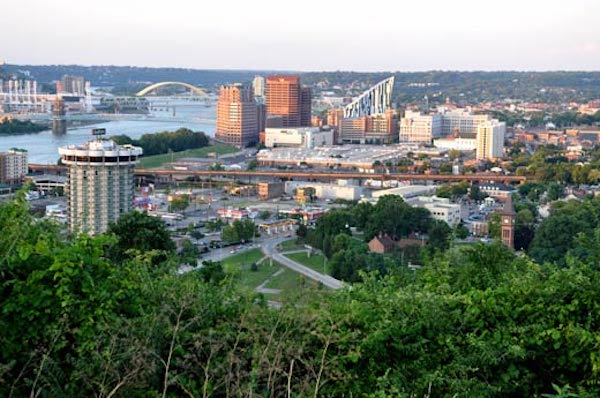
x=462 y=35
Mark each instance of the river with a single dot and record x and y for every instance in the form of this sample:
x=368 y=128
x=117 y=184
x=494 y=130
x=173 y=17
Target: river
x=43 y=146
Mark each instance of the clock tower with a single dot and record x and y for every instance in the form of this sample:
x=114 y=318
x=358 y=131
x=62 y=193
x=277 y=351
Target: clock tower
x=507 y=224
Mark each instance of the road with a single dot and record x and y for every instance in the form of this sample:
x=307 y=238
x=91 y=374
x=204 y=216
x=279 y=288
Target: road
x=269 y=247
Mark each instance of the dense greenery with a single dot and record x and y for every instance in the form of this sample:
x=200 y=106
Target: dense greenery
x=549 y=164
x=391 y=216
x=166 y=141
x=475 y=321
x=239 y=231
x=15 y=126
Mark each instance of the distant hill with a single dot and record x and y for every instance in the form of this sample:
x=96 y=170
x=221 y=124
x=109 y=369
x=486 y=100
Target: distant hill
x=121 y=76
x=460 y=87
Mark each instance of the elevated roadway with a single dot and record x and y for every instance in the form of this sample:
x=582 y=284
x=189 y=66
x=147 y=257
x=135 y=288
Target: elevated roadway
x=308 y=175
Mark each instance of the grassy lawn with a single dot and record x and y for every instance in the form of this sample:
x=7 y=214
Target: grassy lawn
x=295 y=287
x=158 y=160
x=315 y=261
x=290 y=245
x=240 y=264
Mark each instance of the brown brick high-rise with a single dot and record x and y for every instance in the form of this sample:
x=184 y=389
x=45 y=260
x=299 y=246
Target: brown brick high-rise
x=237 y=116
x=287 y=99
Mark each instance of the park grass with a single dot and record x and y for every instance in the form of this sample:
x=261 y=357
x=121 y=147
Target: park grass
x=154 y=161
x=314 y=262
x=240 y=265
x=290 y=245
x=295 y=288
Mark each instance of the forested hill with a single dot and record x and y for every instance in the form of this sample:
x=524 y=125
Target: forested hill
x=130 y=75
x=473 y=87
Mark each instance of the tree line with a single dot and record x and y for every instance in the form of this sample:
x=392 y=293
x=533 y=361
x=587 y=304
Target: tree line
x=15 y=126
x=166 y=141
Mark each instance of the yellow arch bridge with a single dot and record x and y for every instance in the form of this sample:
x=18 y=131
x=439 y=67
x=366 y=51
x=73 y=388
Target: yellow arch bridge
x=152 y=87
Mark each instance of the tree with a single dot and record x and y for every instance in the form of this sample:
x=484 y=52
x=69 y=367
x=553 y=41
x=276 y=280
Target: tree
x=180 y=203
x=252 y=164
x=555 y=191
x=264 y=214
x=189 y=252
x=439 y=235
x=461 y=232
x=137 y=233
x=216 y=167
x=475 y=193
x=230 y=235
x=212 y=272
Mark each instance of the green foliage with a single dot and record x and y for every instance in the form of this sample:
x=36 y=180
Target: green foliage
x=140 y=234
x=264 y=214
x=252 y=164
x=216 y=167
x=453 y=191
x=166 y=141
x=239 y=231
x=15 y=126
x=556 y=235
x=474 y=321
x=391 y=215
x=179 y=203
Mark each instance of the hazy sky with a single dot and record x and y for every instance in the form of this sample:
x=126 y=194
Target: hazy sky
x=368 y=35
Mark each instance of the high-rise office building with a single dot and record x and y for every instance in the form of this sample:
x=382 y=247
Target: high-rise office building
x=305 y=106
x=13 y=166
x=489 y=142
x=101 y=185
x=237 y=116
x=258 y=85
x=288 y=99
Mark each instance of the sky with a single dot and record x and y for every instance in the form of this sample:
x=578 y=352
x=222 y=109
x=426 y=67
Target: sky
x=305 y=35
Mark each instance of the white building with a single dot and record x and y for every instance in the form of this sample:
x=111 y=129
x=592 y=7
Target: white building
x=462 y=121
x=440 y=208
x=459 y=128
x=490 y=140
x=417 y=127
x=326 y=191
x=406 y=192
x=459 y=143
x=258 y=86
x=13 y=166
x=100 y=187
x=298 y=137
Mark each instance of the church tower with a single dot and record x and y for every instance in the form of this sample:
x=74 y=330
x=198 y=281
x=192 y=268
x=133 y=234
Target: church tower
x=507 y=229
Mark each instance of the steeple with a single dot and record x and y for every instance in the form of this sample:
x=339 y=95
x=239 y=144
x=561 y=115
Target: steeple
x=509 y=209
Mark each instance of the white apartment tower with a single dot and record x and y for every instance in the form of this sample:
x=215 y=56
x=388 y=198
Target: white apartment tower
x=13 y=166
x=490 y=140
x=416 y=127
x=101 y=182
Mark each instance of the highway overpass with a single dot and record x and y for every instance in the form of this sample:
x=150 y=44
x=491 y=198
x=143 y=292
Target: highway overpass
x=305 y=175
